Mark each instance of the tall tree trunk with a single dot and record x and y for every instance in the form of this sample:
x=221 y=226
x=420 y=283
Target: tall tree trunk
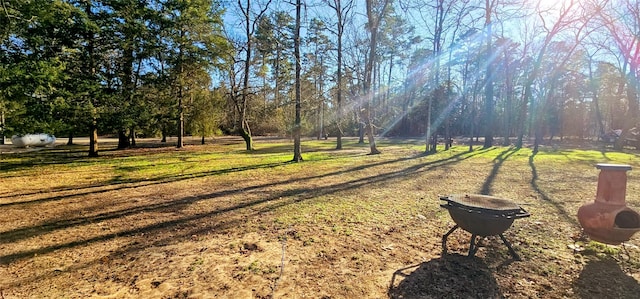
x=373 y=24
x=2 y=137
x=93 y=130
x=132 y=136
x=297 y=151
x=431 y=138
x=337 y=7
x=276 y=71
x=244 y=129
x=429 y=144
x=387 y=96
x=508 y=114
x=489 y=102
x=180 y=143
x=339 y=112
x=93 y=136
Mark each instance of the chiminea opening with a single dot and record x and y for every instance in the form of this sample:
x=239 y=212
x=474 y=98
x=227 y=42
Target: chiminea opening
x=627 y=219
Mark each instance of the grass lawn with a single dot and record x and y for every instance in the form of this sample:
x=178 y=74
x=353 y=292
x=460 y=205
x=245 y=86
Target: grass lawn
x=217 y=221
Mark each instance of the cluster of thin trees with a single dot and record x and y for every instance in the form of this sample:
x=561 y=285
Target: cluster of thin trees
x=513 y=70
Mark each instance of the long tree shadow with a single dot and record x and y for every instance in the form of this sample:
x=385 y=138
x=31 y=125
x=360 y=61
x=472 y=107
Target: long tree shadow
x=450 y=276
x=497 y=163
x=558 y=206
x=274 y=201
x=605 y=279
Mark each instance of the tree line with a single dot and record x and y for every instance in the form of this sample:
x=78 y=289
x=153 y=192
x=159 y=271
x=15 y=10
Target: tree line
x=493 y=69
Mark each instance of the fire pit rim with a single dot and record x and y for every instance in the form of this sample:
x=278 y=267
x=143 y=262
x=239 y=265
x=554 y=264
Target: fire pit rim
x=470 y=202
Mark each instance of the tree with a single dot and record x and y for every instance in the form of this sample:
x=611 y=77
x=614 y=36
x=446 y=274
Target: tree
x=297 y=152
x=376 y=10
x=621 y=18
x=488 y=88
x=206 y=112
x=240 y=95
x=319 y=45
x=128 y=34
x=193 y=34
x=341 y=13
x=566 y=18
x=89 y=71
x=39 y=43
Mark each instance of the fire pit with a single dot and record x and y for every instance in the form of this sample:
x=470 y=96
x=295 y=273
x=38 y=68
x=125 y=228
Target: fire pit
x=481 y=215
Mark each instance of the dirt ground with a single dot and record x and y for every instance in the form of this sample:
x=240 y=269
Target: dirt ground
x=370 y=230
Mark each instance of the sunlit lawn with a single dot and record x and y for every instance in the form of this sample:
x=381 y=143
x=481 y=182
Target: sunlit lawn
x=216 y=220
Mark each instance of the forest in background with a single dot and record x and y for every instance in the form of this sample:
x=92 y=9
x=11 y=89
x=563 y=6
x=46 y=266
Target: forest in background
x=517 y=70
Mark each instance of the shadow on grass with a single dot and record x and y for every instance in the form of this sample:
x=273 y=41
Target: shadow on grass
x=123 y=184
x=558 y=206
x=273 y=201
x=59 y=155
x=497 y=163
x=450 y=276
x=605 y=279
x=65 y=154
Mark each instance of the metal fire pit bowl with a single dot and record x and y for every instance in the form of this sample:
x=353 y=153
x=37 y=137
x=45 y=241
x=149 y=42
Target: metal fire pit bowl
x=481 y=215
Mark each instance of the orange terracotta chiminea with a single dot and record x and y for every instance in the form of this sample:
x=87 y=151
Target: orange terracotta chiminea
x=608 y=219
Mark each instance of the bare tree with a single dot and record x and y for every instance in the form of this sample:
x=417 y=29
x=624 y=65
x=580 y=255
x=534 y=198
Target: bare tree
x=297 y=152
x=621 y=18
x=566 y=18
x=341 y=13
x=249 y=22
x=375 y=12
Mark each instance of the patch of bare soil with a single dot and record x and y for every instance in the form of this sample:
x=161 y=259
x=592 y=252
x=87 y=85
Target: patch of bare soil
x=372 y=230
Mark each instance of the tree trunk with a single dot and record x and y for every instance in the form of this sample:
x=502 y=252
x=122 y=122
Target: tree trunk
x=361 y=133
x=180 y=142
x=93 y=134
x=70 y=140
x=373 y=23
x=429 y=144
x=2 y=137
x=508 y=115
x=339 y=112
x=123 y=139
x=297 y=151
x=132 y=136
x=596 y=99
x=245 y=133
x=489 y=102
x=93 y=140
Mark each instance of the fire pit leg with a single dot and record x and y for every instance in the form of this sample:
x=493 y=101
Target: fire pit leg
x=444 y=239
x=513 y=252
x=473 y=246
